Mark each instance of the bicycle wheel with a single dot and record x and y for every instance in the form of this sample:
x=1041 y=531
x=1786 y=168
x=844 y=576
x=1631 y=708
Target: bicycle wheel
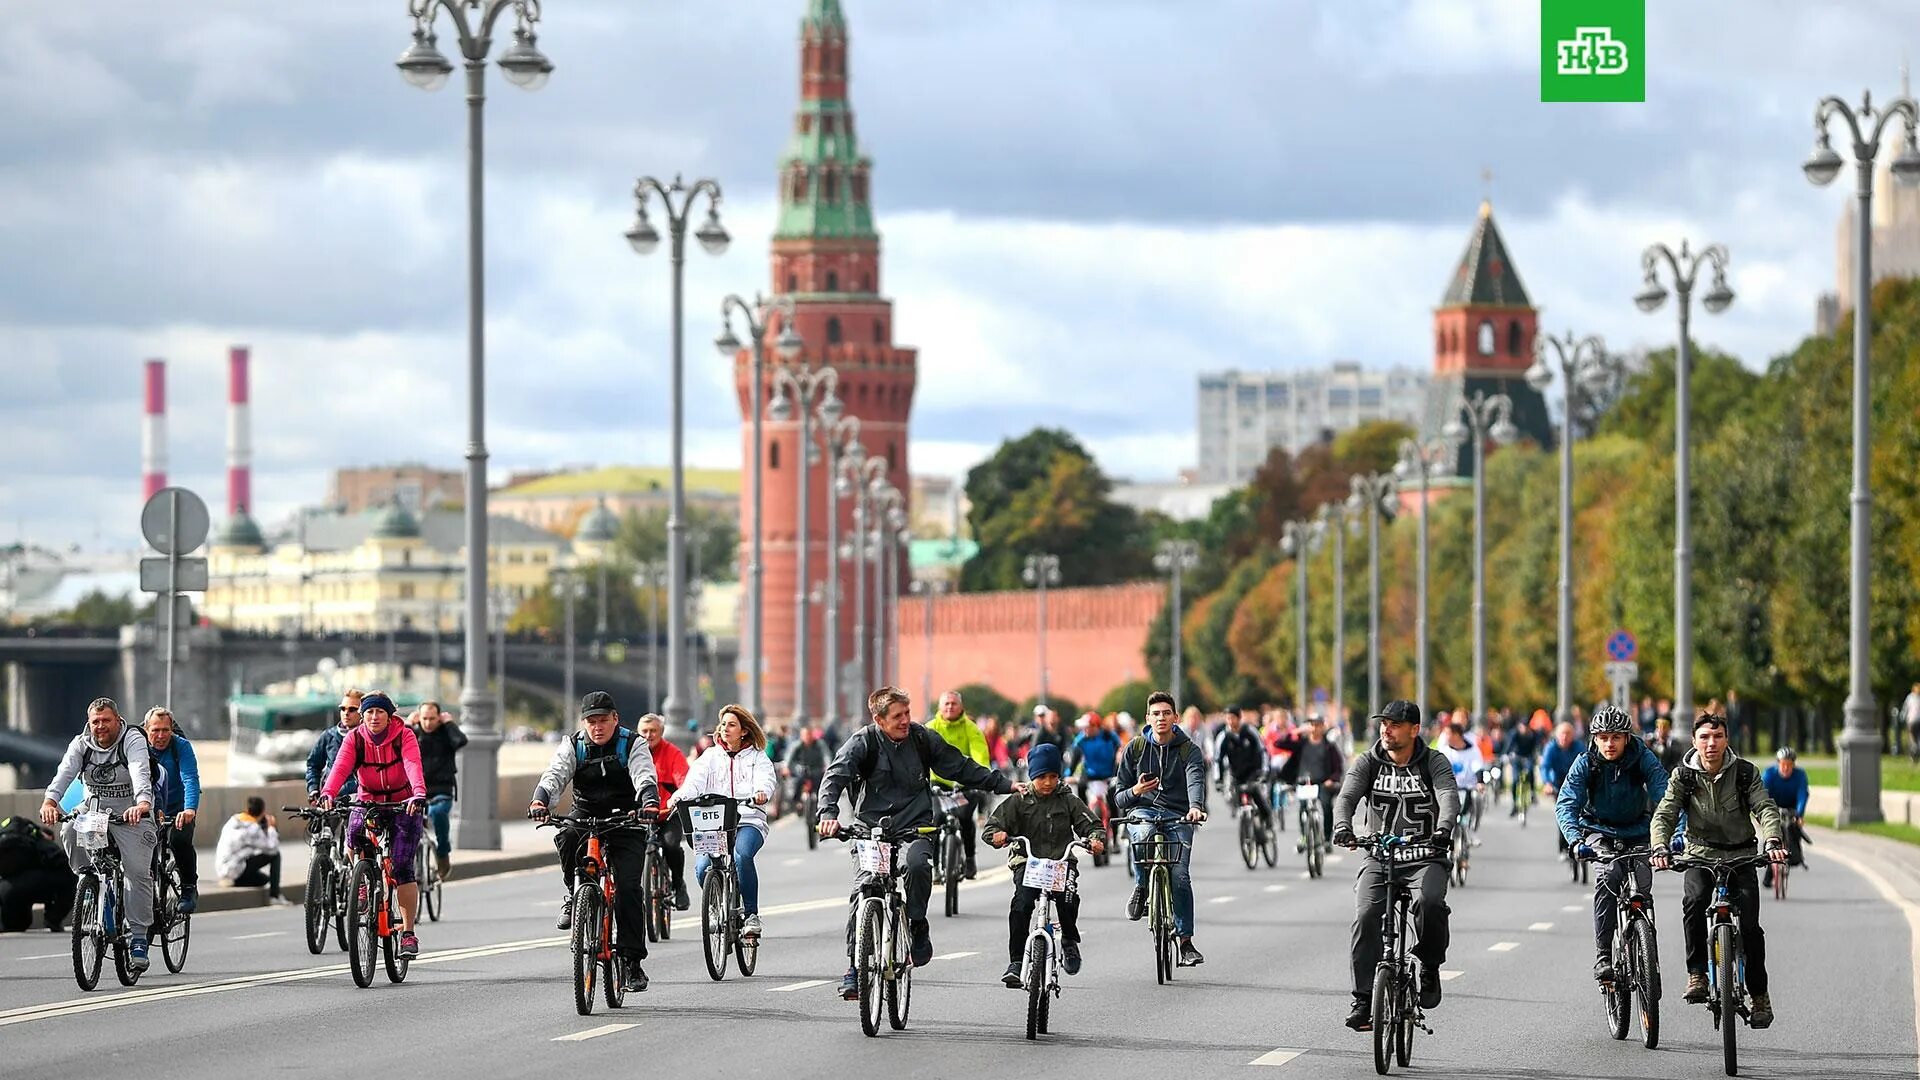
x=1249 y=840
x=122 y=954
x=1270 y=840
x=663 y=898
x=89 y=939
x=954 y=862
x=1036 y=978
x=1618 y=993
x=363 y=931
x=1403 y=1031
x=1780 y=882
x=1459 y=859
x=900 y=985
x=1727 y=974
x=586 y=945
x=1384 y=1021
x=811 y=809
x=650 y=882
x=337 y=896
x=319 y=880
x=1316 y=854
x=613 y=969
x=1645 y=956
x=746 y=950
x=714 y=927
x=431 y=897
x=396 y=961
x=176 y=929
x=869 y=964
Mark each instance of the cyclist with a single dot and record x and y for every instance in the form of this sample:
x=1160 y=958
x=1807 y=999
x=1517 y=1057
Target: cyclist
x=1096 y=755
x=1409 y=791
x=179 y=797
x=736 y=767
x=1464 y=756
x=1788 y=787
x=1049 y=817
x=886 y=767
x=1722 y=795
x=1315 y=760
x=954 y=725
x=327 y=746
x=440 y=741
x=1555 y=759
x=806 y=763
x=1163 y=776
x=1608 y=798
x=669 y=772
x=1522 y=750
x=384 y=758
x=611 y=771
x=111 y=757
x=1239 y=755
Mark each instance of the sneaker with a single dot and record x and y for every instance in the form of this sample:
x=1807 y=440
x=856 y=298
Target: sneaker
x=633 y=977
x=850 y=986
x=1603 y=969
x=1070 y=956
x=1189 y=956
x=921 y=951
x=750 y=928
x=442 y=866
x=681 y=901
x=189 y=899
x=272 y=901
x=1697 y=990
x=409 y=945
x=1137 y=903
x=1360 y=1017
x=1429 y=986
x=137 y=955
x=565 y=921
x=1761 y=1014
x=1766 y=877
x=970 y=871
x=1011 y=977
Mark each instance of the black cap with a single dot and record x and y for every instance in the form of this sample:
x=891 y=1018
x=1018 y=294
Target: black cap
x=1399 y=712
x=598 y=703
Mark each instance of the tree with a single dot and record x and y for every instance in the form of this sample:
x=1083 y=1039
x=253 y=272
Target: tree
x=1043 y=493
x=1128 y=697
x=983 y=701
x=1069 y=712
x=97 y=609
x=713 y=540
x=627 y=613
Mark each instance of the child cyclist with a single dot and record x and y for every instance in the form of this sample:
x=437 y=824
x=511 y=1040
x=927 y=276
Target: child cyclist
x=1049 y=817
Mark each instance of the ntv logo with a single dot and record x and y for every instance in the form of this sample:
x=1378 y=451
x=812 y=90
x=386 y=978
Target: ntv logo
x=1592 y=51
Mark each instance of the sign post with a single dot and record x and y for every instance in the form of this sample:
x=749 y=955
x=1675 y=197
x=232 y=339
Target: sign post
x=174 y=521
x=1622 y=670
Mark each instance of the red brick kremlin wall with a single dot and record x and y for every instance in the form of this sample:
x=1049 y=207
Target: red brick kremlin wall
x=1095 y=640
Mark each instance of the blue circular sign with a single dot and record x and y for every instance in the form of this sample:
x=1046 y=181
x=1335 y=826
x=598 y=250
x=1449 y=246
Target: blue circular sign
x=1622 y=647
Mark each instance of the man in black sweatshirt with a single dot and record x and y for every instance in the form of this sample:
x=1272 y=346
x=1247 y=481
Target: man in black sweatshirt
x=1409 y=791
x=440 y=742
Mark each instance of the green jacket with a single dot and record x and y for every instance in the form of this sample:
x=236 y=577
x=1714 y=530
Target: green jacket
x=1716 y=826
x=1049 y=822
x=963 y=735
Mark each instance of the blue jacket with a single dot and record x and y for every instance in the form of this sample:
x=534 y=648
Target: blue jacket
x=181 y=790
x=1789 y=791
x=1099 y=754
x=1556 y=762
x=1613 y=798
x=320 y=759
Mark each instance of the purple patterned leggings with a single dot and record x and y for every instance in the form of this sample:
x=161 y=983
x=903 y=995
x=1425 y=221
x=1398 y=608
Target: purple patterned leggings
x=406 y=837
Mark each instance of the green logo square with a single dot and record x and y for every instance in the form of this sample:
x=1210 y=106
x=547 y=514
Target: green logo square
x=1593 y=50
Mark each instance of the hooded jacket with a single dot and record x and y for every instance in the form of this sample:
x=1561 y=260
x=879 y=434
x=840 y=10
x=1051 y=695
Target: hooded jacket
x=1717 y=826
x=963 y=735
x=739 y=775
x=1179 y=764
x=1613 y=798
x=1418 y=799
x=890 y=779
x=241 y=838
x=320 y=759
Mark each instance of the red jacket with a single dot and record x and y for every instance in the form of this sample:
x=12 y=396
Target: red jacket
x=669 y=771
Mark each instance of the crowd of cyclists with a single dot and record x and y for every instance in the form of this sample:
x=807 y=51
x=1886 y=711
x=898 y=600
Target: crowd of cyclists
x=1636 y=800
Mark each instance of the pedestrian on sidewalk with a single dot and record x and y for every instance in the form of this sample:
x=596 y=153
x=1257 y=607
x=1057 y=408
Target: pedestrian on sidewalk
x=440 y=742
x=1910 y=716
x=248 y=853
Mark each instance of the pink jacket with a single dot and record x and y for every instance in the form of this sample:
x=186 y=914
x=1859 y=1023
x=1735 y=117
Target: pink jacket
x=387 y=770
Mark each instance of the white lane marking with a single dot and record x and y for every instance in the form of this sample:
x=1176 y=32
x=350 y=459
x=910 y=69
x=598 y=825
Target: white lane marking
x=1574 y=907
x=1279 y=1056
x=1306 y=875
x=1541 y=926
x=791 y=862
x=1892 y=896
x=791 y=987
x=1336 y=858
x=955 y=955
x=1223 y=900
x=1503 y=946
x=250 y=937
x=44 y=956
x=1449 y=976
x=548 y=903
x=593 y=1033
x=1275 y=888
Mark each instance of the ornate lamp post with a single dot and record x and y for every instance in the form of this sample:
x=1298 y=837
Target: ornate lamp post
x=808 y=392
x=1336 y=520
x=1174 y=559
x=1042 y=570
x=1485 y=414
x=1373 y=494
x=1577 y=359
x=1297 y=540
x=1422 y=459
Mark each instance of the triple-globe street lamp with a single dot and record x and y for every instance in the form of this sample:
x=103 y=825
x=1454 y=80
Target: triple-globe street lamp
x=1577 y=360
x=1298 y=540
x=1485 y=414
x=1374 y=495
x=1422 y=460
x=1175 y=558
x=1041 y=570
x=808 y=393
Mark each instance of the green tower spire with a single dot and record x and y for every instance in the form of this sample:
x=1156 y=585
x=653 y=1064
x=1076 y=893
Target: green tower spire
x=824 y=189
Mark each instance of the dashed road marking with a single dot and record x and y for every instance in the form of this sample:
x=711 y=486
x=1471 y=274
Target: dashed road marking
x=1503 y=946
x=1540 y=926
x=1573 y=907
x=250 y=937
x=791 y=987
x=791 y=862
x=1275 y=888
x=1449 y=976
x=955 y=955
x=1279 y=1056
x=1223 y=900
x=594 y=1033
x=44 y=956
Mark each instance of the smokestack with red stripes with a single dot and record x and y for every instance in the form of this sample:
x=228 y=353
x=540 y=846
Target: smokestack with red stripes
x=239 y=435
x=153 y=431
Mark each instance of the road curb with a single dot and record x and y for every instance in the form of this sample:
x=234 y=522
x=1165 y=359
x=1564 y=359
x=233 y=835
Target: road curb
x=235 y=898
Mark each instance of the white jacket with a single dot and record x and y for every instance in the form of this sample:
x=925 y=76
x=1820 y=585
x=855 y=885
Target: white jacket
x=241 y=838
x=740 y=775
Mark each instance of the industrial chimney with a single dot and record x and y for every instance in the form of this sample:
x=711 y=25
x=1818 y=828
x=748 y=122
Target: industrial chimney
x=239 y=435
x=153 y=431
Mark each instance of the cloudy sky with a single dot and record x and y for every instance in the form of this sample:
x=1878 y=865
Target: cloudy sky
x=1084 y=204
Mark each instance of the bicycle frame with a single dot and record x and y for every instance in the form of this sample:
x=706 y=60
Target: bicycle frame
x=882 y=903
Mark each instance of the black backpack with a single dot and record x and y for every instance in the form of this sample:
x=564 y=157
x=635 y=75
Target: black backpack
x=20 y=842
x=917 y=733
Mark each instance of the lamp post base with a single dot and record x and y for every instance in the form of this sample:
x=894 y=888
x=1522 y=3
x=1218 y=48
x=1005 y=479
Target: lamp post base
x=1859 y=773
x=476 y=811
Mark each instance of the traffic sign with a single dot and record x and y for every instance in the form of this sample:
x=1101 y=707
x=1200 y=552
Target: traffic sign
x=174 y=521
x=1626 y=671
x=191 y=575
x=1622 y=646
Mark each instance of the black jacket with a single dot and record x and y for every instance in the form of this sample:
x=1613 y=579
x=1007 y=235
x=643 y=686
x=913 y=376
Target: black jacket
x=1240 y=755
x=440 y=756
x=889 y=779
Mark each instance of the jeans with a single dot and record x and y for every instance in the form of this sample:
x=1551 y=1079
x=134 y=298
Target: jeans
x=917 y=860
x=261 y=869
x=50 y=887
x=1181 y=834
x=1429 y=884
x=747 y=843
x=1606 y=885
x=440 y=812
x=1743 y=888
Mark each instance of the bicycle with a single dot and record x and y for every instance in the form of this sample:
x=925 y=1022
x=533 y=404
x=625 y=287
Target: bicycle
x=713 y=821
x=427 y=871
x=1636 y=955
x=99 y=900
x=1726 y=963
x=371 y=902
x=1159 y=853
x=1257 y=836
x=172 y=928
x=883 y=969
x=1097 y=795
x=1460 y=849
x=809 y=811
x=592 y=941
x=1523 y=777
x=1396 y=998
x=1041 y=967
x=326 y=877
x=659 y=888
x=949 y=858
x=1313 y=830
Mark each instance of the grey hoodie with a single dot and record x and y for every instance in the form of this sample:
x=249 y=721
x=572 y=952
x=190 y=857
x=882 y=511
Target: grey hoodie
x=1419 y=798
x=117 y=775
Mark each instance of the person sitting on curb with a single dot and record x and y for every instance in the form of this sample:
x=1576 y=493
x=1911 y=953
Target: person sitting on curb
x=33 y=870
x=248 y=853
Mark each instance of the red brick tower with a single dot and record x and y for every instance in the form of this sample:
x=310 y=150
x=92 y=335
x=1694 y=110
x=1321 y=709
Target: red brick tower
x=826 y=256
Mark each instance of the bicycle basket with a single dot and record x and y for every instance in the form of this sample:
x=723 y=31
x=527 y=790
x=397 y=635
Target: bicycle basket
x=1158 y=851
x=90 y=830
x=1049 y=875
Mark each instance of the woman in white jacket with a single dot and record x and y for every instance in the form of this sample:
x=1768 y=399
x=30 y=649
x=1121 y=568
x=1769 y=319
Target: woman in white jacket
x=736 y=766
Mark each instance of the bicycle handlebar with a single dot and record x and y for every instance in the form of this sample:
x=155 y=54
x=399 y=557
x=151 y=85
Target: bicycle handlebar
x=1136 y=819
x=1386 y=841
x=1716 y=866
x=886 y=836
x=584 y=822
x=1603 y=857
x=1027 y=848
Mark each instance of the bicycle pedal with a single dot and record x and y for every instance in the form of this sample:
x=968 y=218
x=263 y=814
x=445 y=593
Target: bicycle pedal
x=1422 y=1025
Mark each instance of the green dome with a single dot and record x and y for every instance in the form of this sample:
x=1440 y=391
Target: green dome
x=600 y=526
x=239 y=531
x=395 y=523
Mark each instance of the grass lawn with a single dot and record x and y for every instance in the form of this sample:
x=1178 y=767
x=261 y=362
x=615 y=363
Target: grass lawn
x=1909 y=834
x=1896 y=773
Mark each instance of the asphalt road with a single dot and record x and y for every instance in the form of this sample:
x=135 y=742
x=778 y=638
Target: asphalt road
x=492 y=990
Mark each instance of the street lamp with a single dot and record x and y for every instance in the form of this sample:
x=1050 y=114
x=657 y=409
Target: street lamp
x=1686 y=268
x=1297 y=540
x=477 y=820
x=842 y=442
x=867 y=474
x=927 y=590
x=758 y=315
x=810 y=393
x=1175 y=558
x=1422 y=459
x=1041 y=571
x=889 y=516
x=1486 y=414
x=1576 y=359
x=1373 y=494
x=566 y=581
x=652 y=576
x=900 y=542
x=645 y=238
x=1335 y=519
x=1860 y=744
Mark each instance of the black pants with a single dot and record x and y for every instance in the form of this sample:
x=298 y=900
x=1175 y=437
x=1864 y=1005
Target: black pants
x=1744 y=889
x=1066 y=905
x=180 y=839
x=51 y=889
x=627 y=852
x=261 y=869
x=1429 y=883
x=673 y=852
x=917 y=858
x=964 y=816
x=1606 y=887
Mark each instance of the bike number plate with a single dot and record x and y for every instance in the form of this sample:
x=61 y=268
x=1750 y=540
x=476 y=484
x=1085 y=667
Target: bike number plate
x=90 y=830
x=1304 y=792
x=709 y=829
x=1049 y=875
x=873 y=856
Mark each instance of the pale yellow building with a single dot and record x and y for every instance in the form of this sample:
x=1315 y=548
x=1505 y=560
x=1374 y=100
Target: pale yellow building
x=559 y=503
x=367 y=572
